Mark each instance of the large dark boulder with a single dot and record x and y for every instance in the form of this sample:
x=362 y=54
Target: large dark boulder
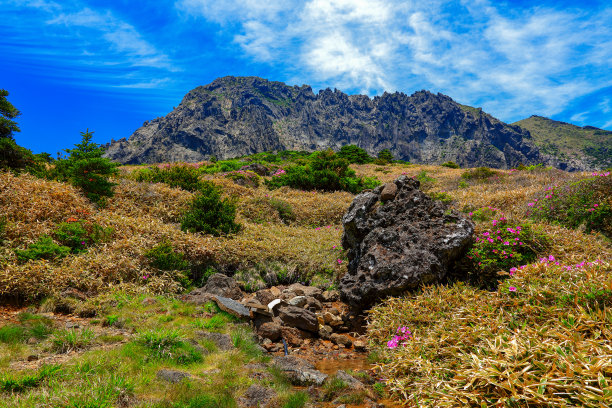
x=402 y=243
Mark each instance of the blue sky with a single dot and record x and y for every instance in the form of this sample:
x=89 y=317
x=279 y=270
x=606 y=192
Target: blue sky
x=110 y=65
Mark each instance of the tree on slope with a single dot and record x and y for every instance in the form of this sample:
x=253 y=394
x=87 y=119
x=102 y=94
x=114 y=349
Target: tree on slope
x=7 y=113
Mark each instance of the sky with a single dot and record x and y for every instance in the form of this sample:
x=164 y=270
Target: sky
x=110 y=65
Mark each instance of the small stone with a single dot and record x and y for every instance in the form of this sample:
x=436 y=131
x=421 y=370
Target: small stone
x=257 y=396
x=350 y=380
x=265 y=296
x=232 y=307
x=388 y=192
x=273 y=304
x=72 y=325
x=299 y=371
x=325 y=332
x=359 y=345
x=222 y=341
x=270 y=330
x=331 y=296
x=172 y=376
x=300 y=318
x=276 y=292
x=292 y=336
x=298 y=301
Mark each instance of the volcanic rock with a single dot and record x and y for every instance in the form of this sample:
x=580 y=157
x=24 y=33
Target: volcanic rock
x=299 y=372
x=257 y=396
x=172 y=376
x=301 y=318
x=400 y=244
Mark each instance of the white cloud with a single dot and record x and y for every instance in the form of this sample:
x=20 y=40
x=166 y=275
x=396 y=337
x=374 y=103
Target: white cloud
x=513 y=62
x=121 y=37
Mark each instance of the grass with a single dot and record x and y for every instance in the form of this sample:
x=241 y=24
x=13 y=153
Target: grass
x=471 y=346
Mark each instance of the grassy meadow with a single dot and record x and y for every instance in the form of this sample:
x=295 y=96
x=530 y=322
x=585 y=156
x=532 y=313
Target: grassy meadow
x=519 y=326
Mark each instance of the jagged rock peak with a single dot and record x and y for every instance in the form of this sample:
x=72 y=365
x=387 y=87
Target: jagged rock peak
x=236 y=116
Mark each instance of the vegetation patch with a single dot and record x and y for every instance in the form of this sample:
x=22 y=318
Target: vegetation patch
x=585 y=203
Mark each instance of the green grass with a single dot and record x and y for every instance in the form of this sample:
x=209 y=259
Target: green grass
x=66 y=340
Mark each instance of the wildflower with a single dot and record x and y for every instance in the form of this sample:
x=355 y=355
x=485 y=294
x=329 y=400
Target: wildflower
x=82 y=242
x=339 y=261
x=512 y=271
x=512 y=289
x=530 y=204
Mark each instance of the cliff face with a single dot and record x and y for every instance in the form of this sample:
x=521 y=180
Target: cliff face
x=235 y=116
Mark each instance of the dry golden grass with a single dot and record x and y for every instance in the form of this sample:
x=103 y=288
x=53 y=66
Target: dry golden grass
x=547 y=344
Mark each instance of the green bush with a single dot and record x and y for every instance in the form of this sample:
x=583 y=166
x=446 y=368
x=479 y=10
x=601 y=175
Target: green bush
x=44 y=248
x=585 y=203
x=17 y=159
x=502 y=247
x=284 y=209
x=354 y=154
x=450 y=165
x=223 y=166
x=164 y=257
x=87 y=169
x=385 y=156
x=182 y=176
x=81 y=234
x=244 y=178
x=441 y=196
x=209 y=213
x=480 y=173
x=324 y=171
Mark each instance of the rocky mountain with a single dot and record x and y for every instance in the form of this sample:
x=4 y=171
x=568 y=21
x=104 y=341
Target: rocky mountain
x=568 y=145
x=236 y=116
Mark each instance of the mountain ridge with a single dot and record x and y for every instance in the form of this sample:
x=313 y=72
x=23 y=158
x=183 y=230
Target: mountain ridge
x=586 y=147
x=237 y=116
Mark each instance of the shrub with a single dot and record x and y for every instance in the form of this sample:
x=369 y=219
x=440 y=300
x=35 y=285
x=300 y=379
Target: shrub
x=87 y=169
x=441 y=196
x=325 y=171
x=244 y=178
x=385 y=156
x=501 y=247
x=451 y=165
x=13 y=156
x=78 y=235
x=354 y=154
x=480 y=173
x=585 y=203
x=182 y=176
x=223 y=166
x=164 y=257
x=425 y=180
x=44 y=248
x=284 y=209
x=209 y=213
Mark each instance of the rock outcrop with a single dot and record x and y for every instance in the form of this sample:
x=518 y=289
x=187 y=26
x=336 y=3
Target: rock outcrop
x=236 y=116
x=398 y=244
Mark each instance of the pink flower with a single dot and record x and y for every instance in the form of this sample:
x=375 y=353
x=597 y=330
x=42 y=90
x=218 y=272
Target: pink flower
x=339 y=261
x=512 y=289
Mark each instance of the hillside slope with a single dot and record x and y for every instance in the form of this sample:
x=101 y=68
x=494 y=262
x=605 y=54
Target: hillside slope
x=584 y=147
x=236 y=116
